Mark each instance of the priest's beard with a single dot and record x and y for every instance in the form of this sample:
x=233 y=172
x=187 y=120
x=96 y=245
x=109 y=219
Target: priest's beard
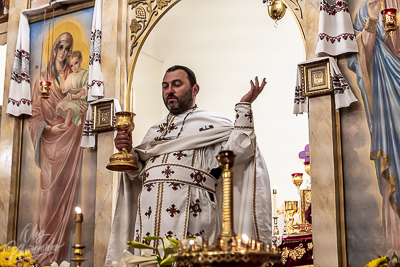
x=181 y=104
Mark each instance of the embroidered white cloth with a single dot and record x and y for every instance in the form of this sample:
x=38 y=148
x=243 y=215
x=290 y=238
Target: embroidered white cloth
x=343 y=94
x=88 y=137
x=335 y=30
x=96 y=82
x=19 y=98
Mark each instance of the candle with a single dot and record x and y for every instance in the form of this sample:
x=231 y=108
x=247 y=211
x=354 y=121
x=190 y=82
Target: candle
x=78 y=225
x=274 y=191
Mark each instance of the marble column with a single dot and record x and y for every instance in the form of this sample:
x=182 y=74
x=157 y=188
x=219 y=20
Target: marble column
x=114 y=72
x=325 y=187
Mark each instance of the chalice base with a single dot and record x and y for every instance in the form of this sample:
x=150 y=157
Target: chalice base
x=121 y=164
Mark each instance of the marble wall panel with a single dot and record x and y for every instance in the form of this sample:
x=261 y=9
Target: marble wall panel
x=323 y=182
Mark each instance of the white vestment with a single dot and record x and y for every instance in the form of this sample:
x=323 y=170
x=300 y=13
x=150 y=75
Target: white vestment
x=174 y=193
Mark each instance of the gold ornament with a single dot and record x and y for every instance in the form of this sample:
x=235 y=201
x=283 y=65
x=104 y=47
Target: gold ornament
x=45 y=89
x=276 y=9
x=297 y=179
x=390 y=20
x=123 y=161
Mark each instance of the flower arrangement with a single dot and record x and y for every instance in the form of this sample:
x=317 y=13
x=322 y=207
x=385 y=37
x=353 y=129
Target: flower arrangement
x=385 y=262
x=12 y=257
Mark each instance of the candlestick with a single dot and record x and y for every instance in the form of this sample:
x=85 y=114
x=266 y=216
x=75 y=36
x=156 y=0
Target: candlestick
x=274 y=191
x=78 y=225
x=78 y=248
x=276 y=230
x=229 y=249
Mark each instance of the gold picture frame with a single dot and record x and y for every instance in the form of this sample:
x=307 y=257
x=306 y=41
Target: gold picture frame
x=103 y=116
x=61 y=9
x=316 y=78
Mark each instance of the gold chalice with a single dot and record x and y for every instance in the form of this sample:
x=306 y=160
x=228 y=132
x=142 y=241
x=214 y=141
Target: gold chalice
x=45 y=89
x=123 y=161
x=307 y=168
x=291 y=207
x=297 y=179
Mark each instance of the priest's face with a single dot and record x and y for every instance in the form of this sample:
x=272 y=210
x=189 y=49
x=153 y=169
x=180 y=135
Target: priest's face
x=178 y=94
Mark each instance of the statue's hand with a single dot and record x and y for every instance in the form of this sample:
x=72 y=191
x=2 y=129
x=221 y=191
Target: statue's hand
x=374 y=7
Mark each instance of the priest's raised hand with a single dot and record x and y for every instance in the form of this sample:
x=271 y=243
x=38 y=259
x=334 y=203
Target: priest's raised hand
x=255 y=90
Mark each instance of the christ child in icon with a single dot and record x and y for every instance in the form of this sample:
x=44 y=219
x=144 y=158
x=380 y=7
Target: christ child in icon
x=76 y=88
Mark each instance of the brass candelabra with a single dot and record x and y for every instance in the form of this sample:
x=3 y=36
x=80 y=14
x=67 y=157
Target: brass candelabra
x=229 y=249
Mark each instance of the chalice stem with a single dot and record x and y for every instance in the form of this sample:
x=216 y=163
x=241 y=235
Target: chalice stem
x=125 y=152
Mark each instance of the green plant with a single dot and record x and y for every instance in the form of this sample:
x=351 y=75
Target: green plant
x=169 y=249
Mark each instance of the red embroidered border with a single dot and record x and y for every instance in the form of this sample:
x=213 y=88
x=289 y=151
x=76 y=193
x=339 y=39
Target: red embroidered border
x=333 y=39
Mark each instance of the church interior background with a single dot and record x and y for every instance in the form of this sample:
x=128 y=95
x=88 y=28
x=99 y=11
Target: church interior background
x=354 y=209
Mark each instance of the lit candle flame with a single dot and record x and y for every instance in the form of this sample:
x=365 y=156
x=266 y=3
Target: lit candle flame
x=245 y=238
x=78 y=210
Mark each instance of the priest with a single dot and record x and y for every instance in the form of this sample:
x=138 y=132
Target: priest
x=176 y=191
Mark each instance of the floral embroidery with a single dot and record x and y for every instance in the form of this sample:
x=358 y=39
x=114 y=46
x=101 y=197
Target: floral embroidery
x=148 y=213
x=95 y=47
x=87 y=129
x=339 y=84
x=173 y=210
x=333 y=7
x=195 y=208
x=147 y=242
x=169 y=234
x=249 y=115
x=137 y=235
x=179 y=155
x=198 y=177
x=176 y=186
x=154 y=158
x=295 y=254
x=193 y=235
x=298 y=97
x=161 y=127
x=206 y=128
x=172 y=127
x=164 y=127
x=336 y=38
x=149 y=186
x=96 y=82
x=168 y=172
x=20 y=69
x=145 y=176
x=23 y=101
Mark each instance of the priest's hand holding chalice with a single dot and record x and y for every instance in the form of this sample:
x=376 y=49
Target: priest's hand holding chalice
x=123 y=161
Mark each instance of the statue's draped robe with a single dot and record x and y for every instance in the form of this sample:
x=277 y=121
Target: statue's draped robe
x=176 y=194
x=59 y=156
x=379 y=73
